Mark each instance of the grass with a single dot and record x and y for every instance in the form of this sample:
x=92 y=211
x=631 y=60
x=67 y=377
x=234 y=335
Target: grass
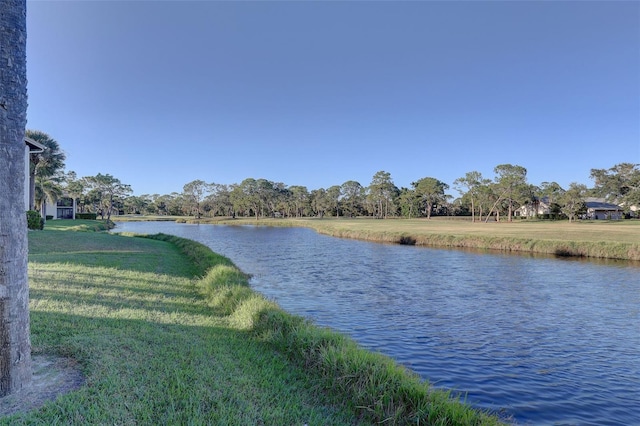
x=167 y=332
x=597 y=239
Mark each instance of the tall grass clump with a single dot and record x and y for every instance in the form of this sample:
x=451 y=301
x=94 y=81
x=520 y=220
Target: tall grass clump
x=226 y=289
x=224 y=286
x=376 y=387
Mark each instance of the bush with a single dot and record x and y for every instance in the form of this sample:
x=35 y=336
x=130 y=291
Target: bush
x=49 y=217
x=89 y=216
x=34 y=220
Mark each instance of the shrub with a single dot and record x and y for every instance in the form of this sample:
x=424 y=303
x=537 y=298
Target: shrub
x=89 y=216
x=34 y=220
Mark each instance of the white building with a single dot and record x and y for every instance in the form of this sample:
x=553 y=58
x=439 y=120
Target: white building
x=65 y=207
x=30 y=147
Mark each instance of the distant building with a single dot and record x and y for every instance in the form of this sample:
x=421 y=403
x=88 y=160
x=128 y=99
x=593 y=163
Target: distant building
x=598 y=208
x=63 y=208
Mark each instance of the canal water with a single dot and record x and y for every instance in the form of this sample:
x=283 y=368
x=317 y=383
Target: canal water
x=542 y=340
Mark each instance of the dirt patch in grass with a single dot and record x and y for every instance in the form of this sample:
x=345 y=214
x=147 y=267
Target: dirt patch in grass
x=52 y=376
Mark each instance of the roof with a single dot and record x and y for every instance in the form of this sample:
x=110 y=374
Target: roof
x=34 y=146
x=600 y=204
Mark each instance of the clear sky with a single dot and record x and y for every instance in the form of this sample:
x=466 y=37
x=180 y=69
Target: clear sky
x=160 y=93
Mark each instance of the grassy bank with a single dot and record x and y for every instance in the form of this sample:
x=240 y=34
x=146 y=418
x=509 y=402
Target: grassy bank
x=607 y=240
x=596 y=239
x=167 y=332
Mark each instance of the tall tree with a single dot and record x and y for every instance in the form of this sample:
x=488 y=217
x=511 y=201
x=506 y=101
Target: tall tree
x=194 y=193
x=381 y=194
x=275 y=197
x=245 y=197
x=108 y=189
x=352 y=198
x=74 y=188
x=45 y=164
x=219 y=199
x=431 y=192
x=409 y=203
x=169 y=204
x=15 y=347
x=299 y=197
x=511 y=182
x=552 y=192
x=320 y=203
x=572 y=200
x=485 y=198
x=333 y=194
x=266 y=196
x=137 y=204
x=472 y=182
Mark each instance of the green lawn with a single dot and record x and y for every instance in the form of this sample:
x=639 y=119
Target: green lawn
x=128 y=311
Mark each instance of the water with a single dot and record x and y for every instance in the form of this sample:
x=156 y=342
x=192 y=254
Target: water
x=544 y=340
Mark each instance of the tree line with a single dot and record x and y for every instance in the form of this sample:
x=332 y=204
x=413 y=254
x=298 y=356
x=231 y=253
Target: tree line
x=482 y=199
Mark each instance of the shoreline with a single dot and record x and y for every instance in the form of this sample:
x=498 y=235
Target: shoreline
x=559 y=239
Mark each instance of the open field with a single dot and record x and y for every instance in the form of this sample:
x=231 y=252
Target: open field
x=167 y=332
x=608 y=240
x=597 y=239
x=612 y=231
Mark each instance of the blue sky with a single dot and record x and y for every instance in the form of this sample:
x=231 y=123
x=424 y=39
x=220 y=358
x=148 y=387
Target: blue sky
x=160 y=93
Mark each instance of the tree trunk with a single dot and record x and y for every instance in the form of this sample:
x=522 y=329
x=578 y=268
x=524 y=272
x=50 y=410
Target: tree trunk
x=473 y=212
x=15 y=345
x=44 y=210
x=110 y=208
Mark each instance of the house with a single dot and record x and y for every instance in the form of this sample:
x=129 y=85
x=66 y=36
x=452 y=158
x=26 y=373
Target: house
x=537 y=207
x=598 y=208
x=30 y=147
x=65 y=207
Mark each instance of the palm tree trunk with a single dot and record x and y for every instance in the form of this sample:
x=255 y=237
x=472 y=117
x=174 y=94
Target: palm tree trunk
x=15 y=345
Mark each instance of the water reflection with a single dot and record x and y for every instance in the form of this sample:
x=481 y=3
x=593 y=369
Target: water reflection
x=550 y=341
